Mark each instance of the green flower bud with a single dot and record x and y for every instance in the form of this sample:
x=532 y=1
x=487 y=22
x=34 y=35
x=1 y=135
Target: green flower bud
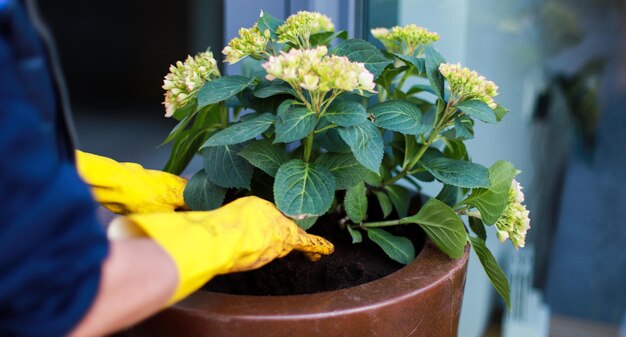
x=299 y=27
x=514 y=222
x=251 y=42
x=185 y=79
x=405 y=40
x=467 y=84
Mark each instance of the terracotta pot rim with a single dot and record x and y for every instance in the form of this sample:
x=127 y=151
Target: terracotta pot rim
x=430 y=269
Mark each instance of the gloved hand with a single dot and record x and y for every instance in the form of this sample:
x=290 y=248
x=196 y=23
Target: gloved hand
x=242 y=235
x=126 y=188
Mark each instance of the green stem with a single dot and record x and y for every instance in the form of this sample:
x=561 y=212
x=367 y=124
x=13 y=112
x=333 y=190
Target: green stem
x=308 y=146
x=387 y=223
x=402 y=80
x=223 y=115
x=331 y=126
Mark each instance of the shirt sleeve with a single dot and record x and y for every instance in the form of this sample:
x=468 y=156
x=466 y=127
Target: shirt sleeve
x=51 y=243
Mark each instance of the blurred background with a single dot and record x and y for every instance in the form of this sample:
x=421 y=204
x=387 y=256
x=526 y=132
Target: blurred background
x=561 y=68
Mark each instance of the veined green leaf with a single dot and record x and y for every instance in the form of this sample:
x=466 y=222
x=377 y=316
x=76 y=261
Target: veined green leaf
x=492 y=201
x=398 y=248
x=269 y=22
x=449 y=195
x=418 y=63
x=344 y=167
x=385 y=203
x=463 y=129
x=355 y=234
x=477 y=227
x=400 y=198
x=457 y=172
x=478 y=109
x=443 y=226
x=303 y=189
x=201 y=194
x=242 y=131
x=307 y=223
x=356 y=202
x=264 y=155
x=433 y=60
x=185 y=147
x=269 y=89
x=366 y=144
x=500 y=112
x=346 y=113
x=221 y=89
x=331 y=141
x=294 y=122
x=494 y=272
x=225 y=168
x=399 y=116
x=364 y=52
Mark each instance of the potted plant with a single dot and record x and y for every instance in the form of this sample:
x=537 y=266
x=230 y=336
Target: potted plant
x=326 y=128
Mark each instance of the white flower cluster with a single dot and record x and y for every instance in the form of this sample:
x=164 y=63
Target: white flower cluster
x=314 y=70
x=404 y=39
x=186 y=78
x=299 y=27
x=251 y=42
x=467 y=84
x=514 y=222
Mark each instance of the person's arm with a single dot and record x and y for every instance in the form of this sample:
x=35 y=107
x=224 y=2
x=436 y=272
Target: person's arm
x=137 y=280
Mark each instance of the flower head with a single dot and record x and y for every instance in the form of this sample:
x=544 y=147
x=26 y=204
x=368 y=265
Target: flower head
x=405 y=39
x=468 y=84
x=314 y=70
x=514 y=221
x=186 y=78
x=251 y=42
x=299 y=27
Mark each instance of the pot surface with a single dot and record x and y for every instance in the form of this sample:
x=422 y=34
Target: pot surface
x=421 y=299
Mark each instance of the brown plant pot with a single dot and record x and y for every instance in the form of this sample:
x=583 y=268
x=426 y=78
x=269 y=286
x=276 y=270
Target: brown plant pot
x=421 y=299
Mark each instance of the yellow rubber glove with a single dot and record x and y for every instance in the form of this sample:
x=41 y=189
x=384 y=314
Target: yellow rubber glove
x=242 y=235
x=126 y=188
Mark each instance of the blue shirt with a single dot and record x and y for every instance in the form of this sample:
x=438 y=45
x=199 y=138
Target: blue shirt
x=51 y=244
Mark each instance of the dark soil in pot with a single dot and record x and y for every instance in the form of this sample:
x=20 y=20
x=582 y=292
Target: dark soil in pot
x=350 y=265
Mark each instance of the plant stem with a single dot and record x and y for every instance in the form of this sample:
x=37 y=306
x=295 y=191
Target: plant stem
x=308 y=146
x=414 y=161
x=331 y=126
x=223 y=115
x=402 y=80
x=387 y=223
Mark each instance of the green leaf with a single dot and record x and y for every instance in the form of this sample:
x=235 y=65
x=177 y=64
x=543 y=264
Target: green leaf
x=265 y=156
x=346 y=113
x=494 y=272
x=355 y=234
x=242 y=131
x=398 y=248
x=331 y=141
x=221 y=89
x=269 y=89
x=324 y=38
x=399 y=116
x=364 y=52
x=492 y=201
x=463 y=131
x=455 y=149
x=267 y=21
x=201 y=194
x=418 y=63
x=433 y=60
x=225 y=167
x=449 y=195
x=303 y=189
x=344 y=167
x=457 y=172
x=294 y=122
x=385 y=203
x=443 y=226
x=366 y=144
x=356 y=202
x=190 y=107
x=477 y=227
x=184 y=149
x=500 y=112
x=400 y=198
x=478 y=109
x=182 y=124
x=307 y=223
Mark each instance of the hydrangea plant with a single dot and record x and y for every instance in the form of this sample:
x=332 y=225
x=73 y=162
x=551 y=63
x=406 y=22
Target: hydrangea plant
x=327 y=124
